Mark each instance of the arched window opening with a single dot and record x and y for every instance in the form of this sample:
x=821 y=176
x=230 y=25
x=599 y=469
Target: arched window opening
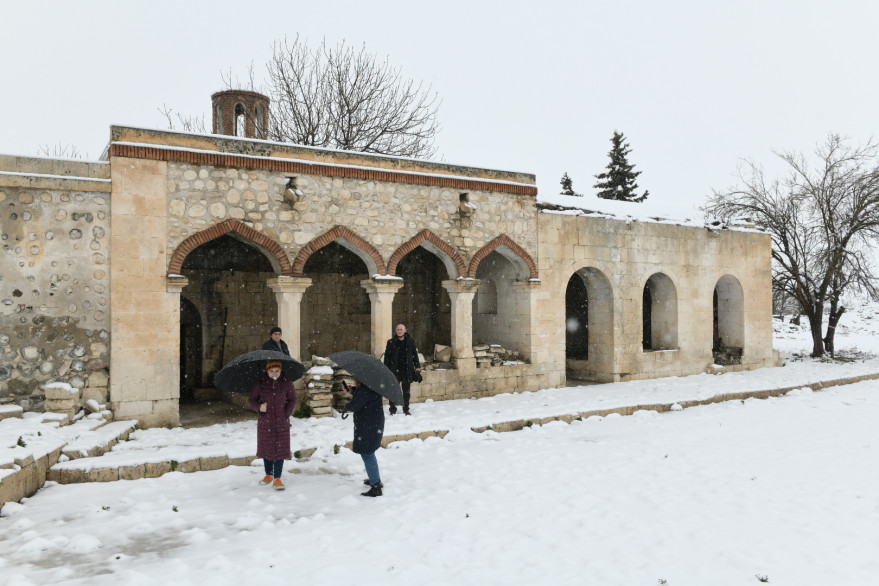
x=336 y=312
x=423 y=304
x=240 y=120
x=504 y=327
x=728 y=339
x=659 y=306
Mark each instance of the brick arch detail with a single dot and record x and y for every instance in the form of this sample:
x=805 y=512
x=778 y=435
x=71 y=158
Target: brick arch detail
x=427 y=236
x=240 y=228
x=334 y=234
x=503 y=240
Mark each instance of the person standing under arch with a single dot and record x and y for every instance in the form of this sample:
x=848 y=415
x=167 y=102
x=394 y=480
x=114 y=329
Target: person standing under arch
x=401 y=358
x=275 y=342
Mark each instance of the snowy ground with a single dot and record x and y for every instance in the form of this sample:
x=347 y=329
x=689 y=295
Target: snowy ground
x=780 y=490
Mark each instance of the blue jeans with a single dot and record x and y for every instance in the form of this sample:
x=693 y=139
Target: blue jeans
x=371 y=467
x=273 y=467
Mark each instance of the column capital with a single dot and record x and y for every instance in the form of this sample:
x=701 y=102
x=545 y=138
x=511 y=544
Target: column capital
x=382 y=285
x=285 y=284
x=175 y=283
x=461 y=285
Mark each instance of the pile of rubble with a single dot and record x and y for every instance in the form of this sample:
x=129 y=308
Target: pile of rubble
x=319 y=387
x=493 y=355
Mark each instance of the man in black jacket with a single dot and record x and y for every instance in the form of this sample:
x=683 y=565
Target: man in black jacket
x=275 y=342
x=401 y=357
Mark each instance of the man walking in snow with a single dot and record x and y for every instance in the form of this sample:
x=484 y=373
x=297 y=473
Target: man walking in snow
x=401 y=357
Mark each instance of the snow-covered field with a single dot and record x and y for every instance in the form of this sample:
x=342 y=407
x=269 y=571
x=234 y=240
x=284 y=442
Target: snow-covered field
x=781 y=491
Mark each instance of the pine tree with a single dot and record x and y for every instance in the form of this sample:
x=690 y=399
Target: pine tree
x=618 y=182
x=567 y=185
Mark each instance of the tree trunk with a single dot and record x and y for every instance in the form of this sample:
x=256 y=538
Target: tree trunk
x=815 y=319
x=832 y=320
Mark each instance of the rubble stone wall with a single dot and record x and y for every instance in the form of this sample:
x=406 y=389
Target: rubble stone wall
x=54 y=289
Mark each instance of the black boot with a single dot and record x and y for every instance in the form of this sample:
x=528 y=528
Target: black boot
x=392 y=409
x=374 y=490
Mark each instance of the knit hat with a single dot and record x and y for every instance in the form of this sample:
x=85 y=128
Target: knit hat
x=275 y=329
x=273 y=364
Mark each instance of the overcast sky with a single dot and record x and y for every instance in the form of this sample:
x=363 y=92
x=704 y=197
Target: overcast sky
x=537 y=87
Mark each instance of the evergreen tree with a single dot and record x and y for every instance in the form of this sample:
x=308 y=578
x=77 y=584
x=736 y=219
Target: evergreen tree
x=567 y=185
x=618 y=182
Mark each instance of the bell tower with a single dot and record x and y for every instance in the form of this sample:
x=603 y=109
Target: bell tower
x=241 y=113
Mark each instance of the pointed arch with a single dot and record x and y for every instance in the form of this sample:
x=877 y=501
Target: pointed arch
x=273 y=251
x=350 y=240
x=506 y=246
x=453 y=261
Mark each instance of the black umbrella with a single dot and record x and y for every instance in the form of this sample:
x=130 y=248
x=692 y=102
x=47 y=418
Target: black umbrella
x=242 y=372
x=370 y=371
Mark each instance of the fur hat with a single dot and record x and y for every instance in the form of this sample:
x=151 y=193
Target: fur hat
x=273 y=364
x=275 y=329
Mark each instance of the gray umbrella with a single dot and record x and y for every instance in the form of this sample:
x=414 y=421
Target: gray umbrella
x=243 y=371
x=371 y=372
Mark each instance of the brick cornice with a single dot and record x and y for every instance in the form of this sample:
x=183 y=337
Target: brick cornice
x=231 y=225
x=334 y=234
x=419 y=239
x=217 y=159
x=503 y=240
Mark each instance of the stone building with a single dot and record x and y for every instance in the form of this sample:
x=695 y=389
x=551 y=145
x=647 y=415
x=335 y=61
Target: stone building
x=137 y=277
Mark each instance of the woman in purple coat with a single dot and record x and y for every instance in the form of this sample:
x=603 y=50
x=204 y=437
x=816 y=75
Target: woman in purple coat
x=274 y=398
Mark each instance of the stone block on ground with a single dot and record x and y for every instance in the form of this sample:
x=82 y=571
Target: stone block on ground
x=442 y=353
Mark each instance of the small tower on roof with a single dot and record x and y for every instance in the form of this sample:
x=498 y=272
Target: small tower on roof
x=241 y=113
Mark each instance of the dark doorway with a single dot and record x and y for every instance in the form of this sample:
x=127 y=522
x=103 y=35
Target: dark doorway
x=576 y=319
x=227 y=284
x=190 y=350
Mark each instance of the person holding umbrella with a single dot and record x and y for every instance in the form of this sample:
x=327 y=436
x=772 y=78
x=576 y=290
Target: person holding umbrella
x=374 y=382
x=369 y=427
x=274 y=398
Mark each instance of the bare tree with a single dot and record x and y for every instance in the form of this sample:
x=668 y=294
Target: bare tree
x=60 y=151
x=339 y=97
x=184 y=122
x=824 y=223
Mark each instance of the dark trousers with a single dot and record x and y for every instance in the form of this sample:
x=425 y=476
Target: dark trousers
x=273 y=467
x=405 y=384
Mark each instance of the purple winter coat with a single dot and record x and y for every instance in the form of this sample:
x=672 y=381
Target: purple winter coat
x=273 y=427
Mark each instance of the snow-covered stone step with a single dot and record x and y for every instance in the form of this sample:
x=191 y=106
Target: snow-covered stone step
x=10 y=411
x=112 y=467
x=99 y=441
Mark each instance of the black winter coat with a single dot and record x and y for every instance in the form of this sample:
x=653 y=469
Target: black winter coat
x=369 y=420
x=407 y=348
x=279 y=347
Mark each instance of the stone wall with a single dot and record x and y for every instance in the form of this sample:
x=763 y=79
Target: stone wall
x=617 y=259
x=54 y=289
x=385 y=214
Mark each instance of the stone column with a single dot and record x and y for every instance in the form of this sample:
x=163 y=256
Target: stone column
x=526 y=317
x=288 y=292
x=461 y=293
x=381 y=296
